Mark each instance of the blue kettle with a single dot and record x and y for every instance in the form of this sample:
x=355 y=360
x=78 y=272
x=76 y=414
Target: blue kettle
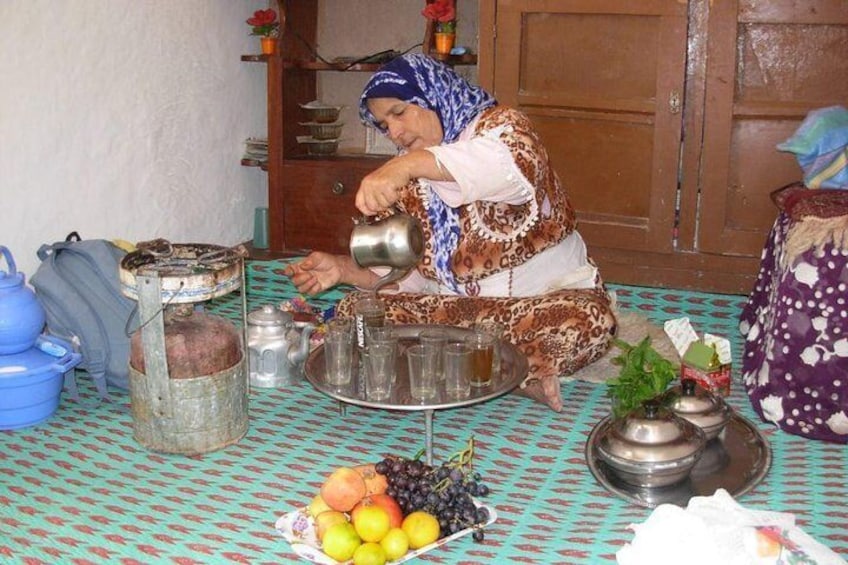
x=21 y=314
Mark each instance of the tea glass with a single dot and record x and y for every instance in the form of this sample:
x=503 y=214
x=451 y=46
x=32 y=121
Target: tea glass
x=482 y=351
x=496 y=330
x=422 y=372
x=369 y=311
x=342 y=326
x=338 y=355
x=378 y=360
x=435 y=339
x=457 y=367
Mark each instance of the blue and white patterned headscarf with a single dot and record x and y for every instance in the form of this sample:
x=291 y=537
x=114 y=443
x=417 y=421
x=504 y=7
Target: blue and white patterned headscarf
x=430 y=84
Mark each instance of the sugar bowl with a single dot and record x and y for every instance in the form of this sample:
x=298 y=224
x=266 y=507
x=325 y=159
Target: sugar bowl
x=650 y=446
x=696 y=404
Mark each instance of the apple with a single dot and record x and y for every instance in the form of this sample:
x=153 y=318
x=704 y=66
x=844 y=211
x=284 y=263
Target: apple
x=386 y=502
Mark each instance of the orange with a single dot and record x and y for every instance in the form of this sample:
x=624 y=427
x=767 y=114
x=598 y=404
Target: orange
x=369 y=554
x=395 y=543
x=421 y=528
x=372 y=523
x=340 y=541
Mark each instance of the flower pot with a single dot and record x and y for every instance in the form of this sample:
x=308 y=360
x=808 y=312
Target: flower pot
x=444 y=42
x=269 y=45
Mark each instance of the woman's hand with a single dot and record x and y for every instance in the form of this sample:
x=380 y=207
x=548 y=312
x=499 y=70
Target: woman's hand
x=380 y=188
x=318 y=272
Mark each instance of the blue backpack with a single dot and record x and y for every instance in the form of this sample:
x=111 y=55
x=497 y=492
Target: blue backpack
x=78 y=285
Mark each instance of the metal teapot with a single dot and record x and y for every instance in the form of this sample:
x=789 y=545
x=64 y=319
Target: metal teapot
x=396 y=241
x=276 y=347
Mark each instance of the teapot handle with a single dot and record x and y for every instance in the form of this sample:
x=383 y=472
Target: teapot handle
x=368 y=220
x=11 y=262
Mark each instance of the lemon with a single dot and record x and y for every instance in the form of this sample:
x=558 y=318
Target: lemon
x=369 y=553
x=371 y=523
x=395 y=543
x=421 y=528
x=340 y=541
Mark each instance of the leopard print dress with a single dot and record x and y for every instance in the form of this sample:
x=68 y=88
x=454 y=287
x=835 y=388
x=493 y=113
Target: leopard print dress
x=559 y=332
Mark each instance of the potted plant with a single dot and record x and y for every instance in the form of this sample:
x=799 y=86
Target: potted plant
x=443 y=15
x=264 y=23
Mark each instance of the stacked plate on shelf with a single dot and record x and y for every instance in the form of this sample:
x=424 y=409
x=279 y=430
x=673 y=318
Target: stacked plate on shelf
x=255 y=150
x=324 y=128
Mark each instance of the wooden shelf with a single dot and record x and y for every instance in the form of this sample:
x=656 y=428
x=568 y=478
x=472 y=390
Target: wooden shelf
x=313 y=65
x=255 y=58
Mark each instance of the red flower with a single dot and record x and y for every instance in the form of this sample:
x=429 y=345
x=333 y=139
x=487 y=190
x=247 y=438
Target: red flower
x=262 y=17
x=264 y=22
x=440 y=10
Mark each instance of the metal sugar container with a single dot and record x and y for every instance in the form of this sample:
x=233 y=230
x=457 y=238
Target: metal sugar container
x=651 y=446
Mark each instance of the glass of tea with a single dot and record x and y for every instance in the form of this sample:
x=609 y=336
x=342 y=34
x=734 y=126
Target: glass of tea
x=482 y=347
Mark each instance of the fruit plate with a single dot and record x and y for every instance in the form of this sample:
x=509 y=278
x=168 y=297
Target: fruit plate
x=298 y=528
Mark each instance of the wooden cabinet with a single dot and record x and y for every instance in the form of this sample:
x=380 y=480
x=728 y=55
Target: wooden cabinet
x=310 y=198
x=662 y=117
x=318 y=212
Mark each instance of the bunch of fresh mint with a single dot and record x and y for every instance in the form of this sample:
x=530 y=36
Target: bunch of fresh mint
x=645 y=374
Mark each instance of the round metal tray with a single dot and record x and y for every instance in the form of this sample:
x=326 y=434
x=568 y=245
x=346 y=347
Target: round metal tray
x=736 y=460
x=513 y=371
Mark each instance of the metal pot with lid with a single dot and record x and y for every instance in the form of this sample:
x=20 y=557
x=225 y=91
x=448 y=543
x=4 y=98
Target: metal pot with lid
x=651 y=446
x=699 y=406
x=277 y=347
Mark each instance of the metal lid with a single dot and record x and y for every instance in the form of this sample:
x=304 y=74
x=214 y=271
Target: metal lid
x=269 y=316
x=698 y=405
x=651 y=434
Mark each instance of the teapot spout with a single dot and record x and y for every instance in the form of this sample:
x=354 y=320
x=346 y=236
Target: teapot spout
x=390 y=277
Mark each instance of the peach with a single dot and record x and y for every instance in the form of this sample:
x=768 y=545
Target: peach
x=317 y=505
x=375 y=483
x=324 y=520
x=343 y=489
x=384 y=501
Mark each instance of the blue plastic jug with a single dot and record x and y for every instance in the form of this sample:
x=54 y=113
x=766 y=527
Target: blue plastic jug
x=21 y=314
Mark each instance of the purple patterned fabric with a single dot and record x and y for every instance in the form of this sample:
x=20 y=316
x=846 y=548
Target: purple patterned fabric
x=795 y=358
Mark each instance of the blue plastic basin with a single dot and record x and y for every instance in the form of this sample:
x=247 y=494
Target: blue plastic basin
x=31 y=382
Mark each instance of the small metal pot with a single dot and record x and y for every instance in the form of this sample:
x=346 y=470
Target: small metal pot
x=651 y=447
x=699 y=406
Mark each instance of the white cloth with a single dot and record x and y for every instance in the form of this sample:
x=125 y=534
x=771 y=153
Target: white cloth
x=716 y=529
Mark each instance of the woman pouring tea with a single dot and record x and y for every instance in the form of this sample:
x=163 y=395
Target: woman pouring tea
x=500 y=234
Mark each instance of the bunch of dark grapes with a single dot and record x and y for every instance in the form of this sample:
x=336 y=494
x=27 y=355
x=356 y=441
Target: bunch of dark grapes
x=445 y=491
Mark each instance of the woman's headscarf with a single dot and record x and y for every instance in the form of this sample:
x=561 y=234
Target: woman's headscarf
x=430 y=84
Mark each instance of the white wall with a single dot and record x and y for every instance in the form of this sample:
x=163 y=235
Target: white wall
x=126 y=119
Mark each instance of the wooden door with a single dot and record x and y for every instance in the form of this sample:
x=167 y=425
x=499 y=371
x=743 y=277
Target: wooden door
x=603 y=82
x=769 y=64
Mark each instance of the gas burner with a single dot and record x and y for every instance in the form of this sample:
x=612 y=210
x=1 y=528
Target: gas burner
x=188 y=272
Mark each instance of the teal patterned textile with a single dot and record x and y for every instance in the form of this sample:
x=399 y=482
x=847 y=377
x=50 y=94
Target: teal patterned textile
x=78 y=489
